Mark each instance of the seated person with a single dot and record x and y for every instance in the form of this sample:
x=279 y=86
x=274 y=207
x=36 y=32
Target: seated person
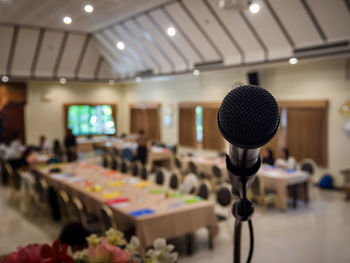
x=267 y=157
x=142 y=142
x=285 y=161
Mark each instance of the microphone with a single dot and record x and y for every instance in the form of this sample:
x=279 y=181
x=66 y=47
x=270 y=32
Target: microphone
x=247 y=118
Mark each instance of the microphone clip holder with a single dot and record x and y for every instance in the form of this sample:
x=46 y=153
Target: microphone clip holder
x=243 y=209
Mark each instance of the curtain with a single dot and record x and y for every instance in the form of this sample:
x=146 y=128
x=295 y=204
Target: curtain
x=187 y=126
x=212 y=138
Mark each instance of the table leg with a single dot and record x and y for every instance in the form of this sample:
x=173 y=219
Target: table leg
x=189 y=243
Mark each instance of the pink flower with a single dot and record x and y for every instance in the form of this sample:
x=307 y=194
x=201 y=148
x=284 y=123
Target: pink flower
x=104 y=252
x=28 y=254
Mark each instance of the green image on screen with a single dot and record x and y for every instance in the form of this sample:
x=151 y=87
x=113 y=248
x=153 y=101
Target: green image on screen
x=91 y=120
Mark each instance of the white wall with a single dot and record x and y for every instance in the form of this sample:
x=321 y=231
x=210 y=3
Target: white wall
x=304 y=81
x=46 y=117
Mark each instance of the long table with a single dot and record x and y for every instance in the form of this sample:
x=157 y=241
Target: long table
x=173 y=214
x=274 y=178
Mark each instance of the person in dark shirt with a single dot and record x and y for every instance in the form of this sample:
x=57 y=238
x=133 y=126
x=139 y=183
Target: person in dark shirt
x=267 y=156
x=69 y=140
x=142 y=143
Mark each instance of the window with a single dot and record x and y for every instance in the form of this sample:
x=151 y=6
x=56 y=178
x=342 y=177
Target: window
x=199 y=124
x=90 y=119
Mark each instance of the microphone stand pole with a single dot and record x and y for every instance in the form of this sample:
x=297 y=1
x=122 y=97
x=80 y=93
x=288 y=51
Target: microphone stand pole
x=243 y=209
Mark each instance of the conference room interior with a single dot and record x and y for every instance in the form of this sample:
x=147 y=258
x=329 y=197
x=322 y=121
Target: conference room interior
x=109 y=114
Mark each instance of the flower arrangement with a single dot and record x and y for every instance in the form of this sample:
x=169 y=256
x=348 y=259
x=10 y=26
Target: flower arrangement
x=111 y=248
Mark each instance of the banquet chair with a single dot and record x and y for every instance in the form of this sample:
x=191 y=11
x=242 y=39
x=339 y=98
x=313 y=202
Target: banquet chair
x=79 y=215
x=64 y=206
x=15 y=183
x=261 y=195
x=192 y=168
x=178 y=165
x=42 y=194
x=116 y=163
x=160 y=176
x=224 y=200
x=125 y=166
x=144 y=172
x=107 y=219
x=174 y=181
x=204 y=190
x=190 y=184
x=107 y=160
x=28 y=192
x=308 y=165
x=217 y=174
x=136 y=167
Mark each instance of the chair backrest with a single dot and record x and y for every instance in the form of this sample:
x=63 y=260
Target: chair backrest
x=308 y=165
x=223 y=196
x=174 y=181
x=127 y=154
x=107 y=219
x=160 y=177
x=190 y=184
x=16 y=179
x=217 y=172
x=144 y=173
x=203 y=190
x=27 y=183
x=116 y=163
x=178 y=163
x=192 y=167
x=42 y=190
x=136 y=167
x=125 y=166
x=64 y=206
x=78 y=211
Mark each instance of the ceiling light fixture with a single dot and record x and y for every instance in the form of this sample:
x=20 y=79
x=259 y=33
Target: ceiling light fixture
x=67 y=20
x=196 y=72
x=171 y=31
x=111 y=82
x=88 y=8
x=63 y=80
x=254 y=8
x=120 y=45
x=293 y=61
x=5 y=79
x=138 y=79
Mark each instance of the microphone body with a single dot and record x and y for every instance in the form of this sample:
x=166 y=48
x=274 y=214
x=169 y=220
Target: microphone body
x=247 y=118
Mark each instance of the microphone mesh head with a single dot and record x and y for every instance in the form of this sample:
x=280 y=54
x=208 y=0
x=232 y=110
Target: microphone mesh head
x=248 y=116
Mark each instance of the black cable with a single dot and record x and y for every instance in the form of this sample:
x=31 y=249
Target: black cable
x=251 y=234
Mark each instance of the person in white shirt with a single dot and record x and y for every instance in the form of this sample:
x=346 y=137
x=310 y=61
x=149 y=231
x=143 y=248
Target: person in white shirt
x=14 y=151
x=285 y=161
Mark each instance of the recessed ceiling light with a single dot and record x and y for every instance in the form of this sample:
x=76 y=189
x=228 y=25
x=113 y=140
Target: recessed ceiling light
x=171 y=31
x=254 y=8
x=63 y=80
x=120 y=45
x=293 y=61
x=88 y=8
x=196 y=72
x=221 y=3
x=111 y=82
x=138 y=79
x=5 y=79
x=67 y=20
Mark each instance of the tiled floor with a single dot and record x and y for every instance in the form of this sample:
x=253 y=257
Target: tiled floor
x=319 y=232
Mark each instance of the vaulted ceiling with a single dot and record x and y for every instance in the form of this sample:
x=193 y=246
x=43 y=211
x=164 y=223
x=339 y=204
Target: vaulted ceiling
x=35 y=43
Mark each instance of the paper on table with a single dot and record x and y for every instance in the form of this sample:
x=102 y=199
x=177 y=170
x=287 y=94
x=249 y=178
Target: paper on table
x=143 y=184
x=142 y=212
x=111 y=195
x=95 y=188
x=116 y=183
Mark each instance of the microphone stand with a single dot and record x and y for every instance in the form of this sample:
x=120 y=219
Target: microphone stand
x=240 y=178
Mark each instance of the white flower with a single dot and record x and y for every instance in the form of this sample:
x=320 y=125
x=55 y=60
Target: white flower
x=162 y=252
x=133 y=245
